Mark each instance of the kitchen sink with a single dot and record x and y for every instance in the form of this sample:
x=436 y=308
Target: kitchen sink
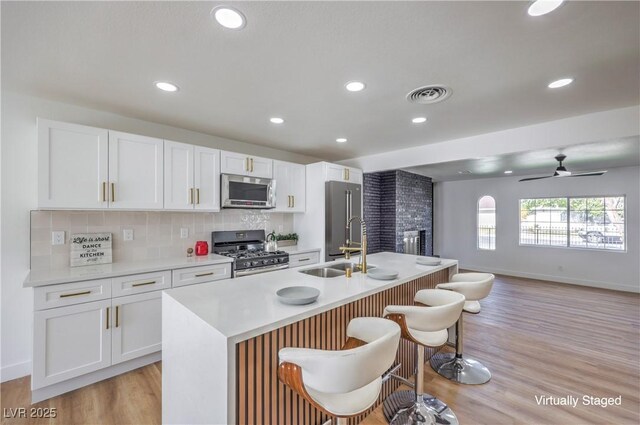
x=344 y=266
x=325 y=272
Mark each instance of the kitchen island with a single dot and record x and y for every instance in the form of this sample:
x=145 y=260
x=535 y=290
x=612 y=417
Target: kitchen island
x=221 y=339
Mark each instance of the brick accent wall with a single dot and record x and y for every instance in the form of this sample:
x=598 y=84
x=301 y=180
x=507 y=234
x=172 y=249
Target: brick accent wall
x=394 y=202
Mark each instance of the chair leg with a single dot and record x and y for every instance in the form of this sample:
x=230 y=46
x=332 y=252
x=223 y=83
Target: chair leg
x=417 y=407
x=457 y=368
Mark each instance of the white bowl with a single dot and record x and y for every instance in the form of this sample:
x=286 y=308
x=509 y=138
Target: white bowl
x=428 y=261
x=382 y=274
x=298 y=295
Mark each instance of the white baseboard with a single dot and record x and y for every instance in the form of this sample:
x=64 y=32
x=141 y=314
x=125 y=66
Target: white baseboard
x=562 y=279
x=15 y=371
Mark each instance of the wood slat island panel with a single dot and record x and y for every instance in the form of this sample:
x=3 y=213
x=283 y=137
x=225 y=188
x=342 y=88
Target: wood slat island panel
x=262 y=399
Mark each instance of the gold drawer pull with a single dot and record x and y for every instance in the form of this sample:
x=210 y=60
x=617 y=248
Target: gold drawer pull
x=190 y=196
x=107 y=317
x=117 y=316
x=113 y=192
x=75 y=294
x=151 y=282
x=252 y=165
x=204 y=274
x=198 y=196
x=304 y=259
x=104 y=191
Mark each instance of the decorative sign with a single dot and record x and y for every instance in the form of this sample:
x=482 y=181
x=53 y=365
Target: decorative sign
x=90 y=248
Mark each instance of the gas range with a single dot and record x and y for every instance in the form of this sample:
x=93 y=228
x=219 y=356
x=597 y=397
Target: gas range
x=246 y=247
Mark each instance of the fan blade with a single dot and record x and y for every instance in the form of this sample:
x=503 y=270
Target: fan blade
x=535 y=178
x=590 y=173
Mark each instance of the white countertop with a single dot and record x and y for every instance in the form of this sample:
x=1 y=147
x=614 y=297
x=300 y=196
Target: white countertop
x=43 y=277
x=295 y=249
x=245 y=307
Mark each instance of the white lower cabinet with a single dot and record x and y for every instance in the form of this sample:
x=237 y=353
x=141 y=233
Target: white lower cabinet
x=305 y=259
x=70 y=341
x=137 y=326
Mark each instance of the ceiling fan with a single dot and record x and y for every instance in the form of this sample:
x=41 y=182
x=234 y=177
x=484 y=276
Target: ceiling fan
x=561 y=171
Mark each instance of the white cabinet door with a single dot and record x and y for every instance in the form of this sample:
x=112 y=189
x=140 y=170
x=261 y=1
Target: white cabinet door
x=135 y=171
x=70 y=341
x=290 y=186
x=137 y=326
x=245 y=165
x=260 y=167
x=207 y=179
x=234 y=163
x=335 y=172
x=72 y=166
x=179 y=193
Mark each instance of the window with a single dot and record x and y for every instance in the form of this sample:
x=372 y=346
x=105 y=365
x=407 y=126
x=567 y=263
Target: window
x=487 y=223
x=575 y=222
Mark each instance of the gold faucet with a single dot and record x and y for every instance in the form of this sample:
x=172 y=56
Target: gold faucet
x=348 y=249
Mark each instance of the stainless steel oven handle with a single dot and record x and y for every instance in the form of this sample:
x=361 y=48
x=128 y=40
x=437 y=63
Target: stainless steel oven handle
x=260 y=270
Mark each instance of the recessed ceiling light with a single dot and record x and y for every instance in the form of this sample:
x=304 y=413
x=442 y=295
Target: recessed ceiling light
x=166 y=86
x=354 y=86
x=508 y=172
x=341 y=140
x=276 y=120
x=229 y=17
x=560 y=83
x=542 y=7
x=418 y=120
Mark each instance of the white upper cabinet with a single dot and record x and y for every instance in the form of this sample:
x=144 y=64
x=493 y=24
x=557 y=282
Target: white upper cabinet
x=207 y=178
x=178 y=176
x=245 y=165
x=72 y=166
x=335 y=172
x=135 y=171
x=290 y=186
x=191 y=177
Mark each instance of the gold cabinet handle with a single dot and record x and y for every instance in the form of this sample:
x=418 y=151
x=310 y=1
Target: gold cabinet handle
x=197 y=196
x=117 y=316
x=304 y=259
x=252 y=165
x=348 y=174
x=113 y=192
x=204 y=274
x=104 y=191
x=107 y=317
x=191 y=196
x=293 y=201
x=246 y=164
x=75 y=294
x=151 y=282
x=289 y=201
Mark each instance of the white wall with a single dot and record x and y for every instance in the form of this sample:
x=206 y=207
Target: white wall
x=455 y=235
x=19 y=196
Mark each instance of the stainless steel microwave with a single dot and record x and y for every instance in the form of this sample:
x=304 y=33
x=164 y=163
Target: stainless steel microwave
x=247 y=192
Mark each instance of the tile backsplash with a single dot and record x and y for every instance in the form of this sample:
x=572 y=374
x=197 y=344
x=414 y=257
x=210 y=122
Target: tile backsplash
x=156 y=234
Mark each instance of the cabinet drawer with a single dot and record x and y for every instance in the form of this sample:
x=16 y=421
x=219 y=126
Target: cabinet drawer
x=201 y=274
x=64 y=294
x=139 y=283
x=297 y=260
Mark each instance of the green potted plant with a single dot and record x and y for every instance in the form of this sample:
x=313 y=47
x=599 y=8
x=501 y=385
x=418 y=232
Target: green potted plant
x=288 y=239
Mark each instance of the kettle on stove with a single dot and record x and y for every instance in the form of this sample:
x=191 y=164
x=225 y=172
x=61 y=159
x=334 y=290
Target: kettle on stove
x=272 y=244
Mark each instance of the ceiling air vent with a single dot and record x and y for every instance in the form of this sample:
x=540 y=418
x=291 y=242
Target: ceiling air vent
x=429 y=94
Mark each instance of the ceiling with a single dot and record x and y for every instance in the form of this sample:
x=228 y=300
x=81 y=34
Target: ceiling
x=293 y=58
x=595 y=156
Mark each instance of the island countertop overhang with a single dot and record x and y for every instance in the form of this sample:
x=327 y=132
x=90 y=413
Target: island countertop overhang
x=242 y=308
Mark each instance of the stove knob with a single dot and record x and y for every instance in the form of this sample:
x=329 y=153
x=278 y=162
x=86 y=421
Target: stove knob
x=255 y=263
x=265 y=261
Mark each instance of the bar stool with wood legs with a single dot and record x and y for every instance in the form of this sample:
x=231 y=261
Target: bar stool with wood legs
x=426 y=326
x=455 y=367
x=347 y=382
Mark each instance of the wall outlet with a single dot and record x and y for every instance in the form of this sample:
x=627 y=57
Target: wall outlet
x=280 y=228
x=184 y=232
x=560 y=268
x=127 y=234
x=57 y=238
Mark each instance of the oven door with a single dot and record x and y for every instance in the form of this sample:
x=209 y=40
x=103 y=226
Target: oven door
x=247 y=192
x=256 y=270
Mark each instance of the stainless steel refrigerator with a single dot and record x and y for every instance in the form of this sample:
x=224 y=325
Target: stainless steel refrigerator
x=342 y=201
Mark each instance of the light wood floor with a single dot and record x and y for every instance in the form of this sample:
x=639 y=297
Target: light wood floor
x=537 y=338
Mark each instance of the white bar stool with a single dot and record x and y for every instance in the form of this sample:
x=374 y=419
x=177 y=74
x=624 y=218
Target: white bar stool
x=426 y=326
x=343 y=383
x=455 y=367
